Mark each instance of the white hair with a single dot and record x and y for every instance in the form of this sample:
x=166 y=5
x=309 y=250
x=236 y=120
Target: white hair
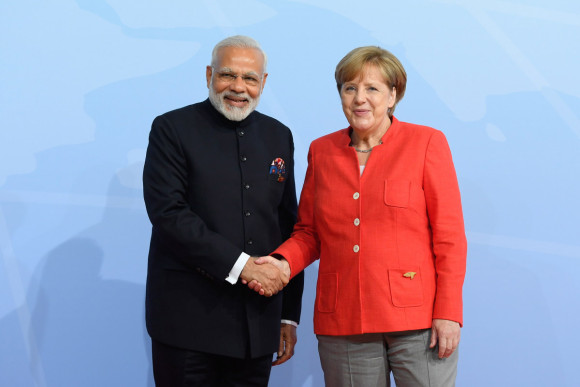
x=240 y=41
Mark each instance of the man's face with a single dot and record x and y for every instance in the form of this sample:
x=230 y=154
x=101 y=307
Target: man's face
x=236 y=82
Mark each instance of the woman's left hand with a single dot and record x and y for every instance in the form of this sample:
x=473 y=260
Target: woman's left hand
x=447 y=333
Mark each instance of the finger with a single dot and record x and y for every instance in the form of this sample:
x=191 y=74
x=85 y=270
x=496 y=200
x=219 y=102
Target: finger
x=282 y=359
x=442 y=347
x=286 y=355
x=244 y=281
x=433 y=338
x=281 y=344
x=453 y=343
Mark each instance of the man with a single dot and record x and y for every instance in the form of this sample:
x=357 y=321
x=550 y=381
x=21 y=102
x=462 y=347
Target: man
x=219 y=186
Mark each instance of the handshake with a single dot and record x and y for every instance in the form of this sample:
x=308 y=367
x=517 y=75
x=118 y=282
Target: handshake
x=266 y=275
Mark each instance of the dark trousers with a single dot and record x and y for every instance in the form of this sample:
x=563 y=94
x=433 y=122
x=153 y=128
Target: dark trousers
x=177 y=367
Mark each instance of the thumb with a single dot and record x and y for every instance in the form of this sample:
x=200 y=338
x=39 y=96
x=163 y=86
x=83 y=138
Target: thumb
x=433 y=337
x=281 y=346
x=262 y=260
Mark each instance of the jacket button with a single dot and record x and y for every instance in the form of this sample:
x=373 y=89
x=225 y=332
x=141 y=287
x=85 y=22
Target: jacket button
x=356 y=221
x=246 y=186
x=241 y=133
x=247 y=213
x=356 y=195
x=250 y=242
x=356 y=248
x=243 y=158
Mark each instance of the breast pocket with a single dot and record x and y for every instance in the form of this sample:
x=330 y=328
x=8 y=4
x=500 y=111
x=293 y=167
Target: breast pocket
x=397 y=193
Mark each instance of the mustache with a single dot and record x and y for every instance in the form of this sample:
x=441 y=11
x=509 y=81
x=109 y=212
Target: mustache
x=231 y=94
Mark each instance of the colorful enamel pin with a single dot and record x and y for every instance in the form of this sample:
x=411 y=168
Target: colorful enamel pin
x=410 y=274
x=278 y=167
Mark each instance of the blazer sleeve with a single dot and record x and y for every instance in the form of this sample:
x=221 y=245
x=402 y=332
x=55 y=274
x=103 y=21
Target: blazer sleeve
x=303 y=247
x=292 y=295
x=184 y=233
x=446 y=220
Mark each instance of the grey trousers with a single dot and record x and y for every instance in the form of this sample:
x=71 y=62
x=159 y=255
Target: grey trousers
x=367 y=360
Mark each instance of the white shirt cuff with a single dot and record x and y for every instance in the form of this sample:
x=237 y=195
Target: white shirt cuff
x=237 y=269
x=290 y=322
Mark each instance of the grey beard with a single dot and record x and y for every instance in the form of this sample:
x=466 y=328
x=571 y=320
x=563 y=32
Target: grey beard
x=232 y=113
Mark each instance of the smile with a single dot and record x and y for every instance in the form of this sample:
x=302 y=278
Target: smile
x=235 y=101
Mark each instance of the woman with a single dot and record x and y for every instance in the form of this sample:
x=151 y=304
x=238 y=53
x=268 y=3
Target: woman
x=381 y=209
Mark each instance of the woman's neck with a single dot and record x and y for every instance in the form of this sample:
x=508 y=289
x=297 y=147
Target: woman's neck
x=367 y=140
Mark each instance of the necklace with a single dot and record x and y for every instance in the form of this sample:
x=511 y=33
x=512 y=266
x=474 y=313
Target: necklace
x=365 y=150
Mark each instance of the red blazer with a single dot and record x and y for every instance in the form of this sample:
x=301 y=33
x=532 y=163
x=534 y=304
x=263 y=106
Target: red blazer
x=391 y=242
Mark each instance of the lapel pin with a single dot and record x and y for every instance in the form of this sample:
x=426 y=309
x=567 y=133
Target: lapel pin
x=410 y=274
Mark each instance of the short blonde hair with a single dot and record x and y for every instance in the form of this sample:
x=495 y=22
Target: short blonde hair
x=352 y=65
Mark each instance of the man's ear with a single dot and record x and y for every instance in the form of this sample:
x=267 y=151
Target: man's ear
x=208 y=72
x=263 y=81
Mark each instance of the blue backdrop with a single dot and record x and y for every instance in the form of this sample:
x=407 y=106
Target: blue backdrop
x=81 y=81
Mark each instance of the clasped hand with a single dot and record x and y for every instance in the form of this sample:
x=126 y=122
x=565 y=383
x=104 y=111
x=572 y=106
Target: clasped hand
x=266 y=275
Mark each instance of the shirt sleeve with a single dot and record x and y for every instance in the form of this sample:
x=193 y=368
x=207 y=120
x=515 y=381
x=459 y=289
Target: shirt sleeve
x=237 y=269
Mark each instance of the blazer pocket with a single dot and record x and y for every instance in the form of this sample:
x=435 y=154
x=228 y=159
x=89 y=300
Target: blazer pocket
x=397 y=193
x=406 y=287
x=327 y=292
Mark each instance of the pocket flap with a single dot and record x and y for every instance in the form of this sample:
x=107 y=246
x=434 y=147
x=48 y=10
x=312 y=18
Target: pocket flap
x=406 y=287
x=397 y=193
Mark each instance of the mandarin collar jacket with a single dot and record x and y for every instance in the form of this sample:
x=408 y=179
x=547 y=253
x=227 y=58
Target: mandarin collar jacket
x=211 y=193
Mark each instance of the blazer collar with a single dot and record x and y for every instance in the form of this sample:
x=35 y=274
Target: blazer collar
x=392 y=131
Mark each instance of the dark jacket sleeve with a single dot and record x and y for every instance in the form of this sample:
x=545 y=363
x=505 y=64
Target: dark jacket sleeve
x=175 y=226
x=292 y=301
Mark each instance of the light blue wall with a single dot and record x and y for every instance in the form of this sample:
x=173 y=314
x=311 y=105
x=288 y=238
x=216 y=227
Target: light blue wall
x=81 y=81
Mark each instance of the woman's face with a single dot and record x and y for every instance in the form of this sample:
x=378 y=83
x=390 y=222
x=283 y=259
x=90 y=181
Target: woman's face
x=366 y=100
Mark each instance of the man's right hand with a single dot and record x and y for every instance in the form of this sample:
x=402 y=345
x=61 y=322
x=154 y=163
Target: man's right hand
x=281 y=264
x=270 y=278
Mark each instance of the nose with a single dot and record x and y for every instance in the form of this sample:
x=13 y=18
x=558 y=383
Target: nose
x=238 y=85
x=359 y=97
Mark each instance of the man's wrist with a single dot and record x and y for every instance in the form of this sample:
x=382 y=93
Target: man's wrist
x=290 y=322
x=236 y=271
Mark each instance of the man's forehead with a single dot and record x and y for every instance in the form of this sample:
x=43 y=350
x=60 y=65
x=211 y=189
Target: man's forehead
x=240 y=55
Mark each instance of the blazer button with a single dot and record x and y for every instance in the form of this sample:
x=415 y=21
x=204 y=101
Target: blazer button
x=356 y=195
x=247 y=213
x=356 y=248
x=241 y=133
x=250 y=242
x=356 y=221
x=243 y=158
x=246 y=186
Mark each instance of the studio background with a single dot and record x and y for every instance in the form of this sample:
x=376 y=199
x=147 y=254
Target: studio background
x=81 y=81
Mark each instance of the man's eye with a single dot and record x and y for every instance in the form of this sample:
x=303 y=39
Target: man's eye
x=227 y=76
x=250 y=80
